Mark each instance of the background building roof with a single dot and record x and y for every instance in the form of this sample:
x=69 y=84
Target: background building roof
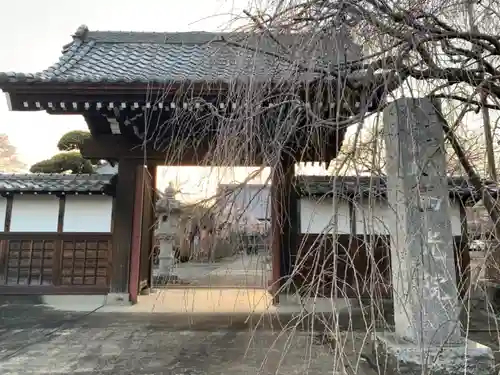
x=48 y=183
x=370 y=185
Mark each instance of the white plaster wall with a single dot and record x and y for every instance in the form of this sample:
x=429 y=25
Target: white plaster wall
x=34 y=213
x=316 y=216
x=253 y=198
x=456 y=226
x=372 y=216
x=88 y=213
x=257 y=201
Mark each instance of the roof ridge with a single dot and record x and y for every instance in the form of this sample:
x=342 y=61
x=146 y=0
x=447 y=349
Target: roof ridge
x=84 y=34
x=364 y=180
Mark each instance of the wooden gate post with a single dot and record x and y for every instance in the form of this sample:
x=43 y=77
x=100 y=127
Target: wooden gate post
x=143 y=231
x=137 y=224
x=122 y=231
x=148 y=228
x=284 y=223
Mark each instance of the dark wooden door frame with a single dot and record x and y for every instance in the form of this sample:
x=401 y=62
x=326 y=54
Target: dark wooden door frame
x=135 y=251
x=142 y=232
x=284 y=223
x=122 y=225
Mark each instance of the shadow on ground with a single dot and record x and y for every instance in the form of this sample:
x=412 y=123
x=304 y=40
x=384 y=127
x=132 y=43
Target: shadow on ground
x=36 y=339
x=39 y=340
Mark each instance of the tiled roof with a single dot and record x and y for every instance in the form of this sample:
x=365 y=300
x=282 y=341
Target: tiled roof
x=365 y=185
x=44 y=183
x=142 y=57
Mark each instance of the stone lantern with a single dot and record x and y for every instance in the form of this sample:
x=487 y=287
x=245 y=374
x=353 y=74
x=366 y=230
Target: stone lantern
x=168 y=213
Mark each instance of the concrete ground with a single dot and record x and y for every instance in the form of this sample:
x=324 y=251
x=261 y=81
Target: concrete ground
x=241 y=270
x=194 y=331
x=216 y=335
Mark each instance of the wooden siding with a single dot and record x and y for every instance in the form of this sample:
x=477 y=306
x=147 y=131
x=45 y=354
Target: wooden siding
x=320 y=270
x=360 y=266
x=54 y=263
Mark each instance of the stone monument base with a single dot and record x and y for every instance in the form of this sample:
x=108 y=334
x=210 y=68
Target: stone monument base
x=396 y=356
x=165 y=279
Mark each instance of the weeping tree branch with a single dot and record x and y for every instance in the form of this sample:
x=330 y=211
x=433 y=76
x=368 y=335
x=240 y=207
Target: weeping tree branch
x=416 y=40
x=437 y=42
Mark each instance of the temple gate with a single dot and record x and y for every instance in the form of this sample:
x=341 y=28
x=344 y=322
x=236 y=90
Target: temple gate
x=153 y=99
x=137 y=92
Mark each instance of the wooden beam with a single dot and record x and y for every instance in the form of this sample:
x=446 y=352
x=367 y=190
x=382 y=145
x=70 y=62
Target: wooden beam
x=8 y=213
x=60 y=215
x=87 y=91
x=116 y=147
x=352 y=215
x=4 y=244
x=122 y=225
x=58 y=250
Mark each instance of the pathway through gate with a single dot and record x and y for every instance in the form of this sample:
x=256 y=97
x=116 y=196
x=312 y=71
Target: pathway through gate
x=240 y=270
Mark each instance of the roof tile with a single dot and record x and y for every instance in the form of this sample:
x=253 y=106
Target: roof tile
x=127 y=57
x=368 y=185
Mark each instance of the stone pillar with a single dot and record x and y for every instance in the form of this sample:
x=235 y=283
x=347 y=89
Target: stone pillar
x=427 y=333
x=166 y=257
x=167 y=209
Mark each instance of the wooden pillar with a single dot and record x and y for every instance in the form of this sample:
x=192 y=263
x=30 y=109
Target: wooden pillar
x=4 y=244
x=142 y=231
x=291 y=232
x=123 y=225
x=136 y=242
x=148 y=224
x=284 y=222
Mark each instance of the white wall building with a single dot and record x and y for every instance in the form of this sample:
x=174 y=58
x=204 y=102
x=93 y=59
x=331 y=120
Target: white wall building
x=55 y=232
x=359 y=204
x=245 y=203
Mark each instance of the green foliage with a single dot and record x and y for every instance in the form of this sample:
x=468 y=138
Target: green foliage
x=71 y=159
x=72 y=141
x=63 y=162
